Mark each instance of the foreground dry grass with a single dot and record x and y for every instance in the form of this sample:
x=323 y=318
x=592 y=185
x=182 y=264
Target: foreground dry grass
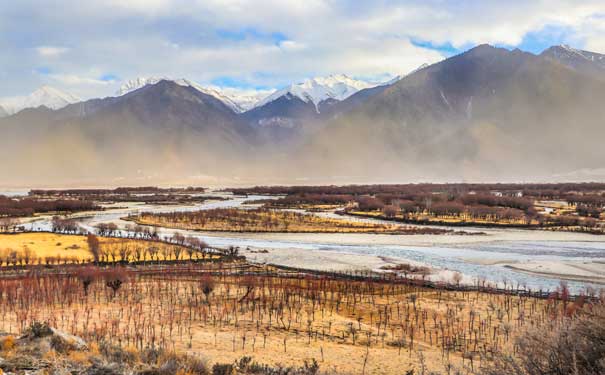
x=267 y=220
x=225 y=311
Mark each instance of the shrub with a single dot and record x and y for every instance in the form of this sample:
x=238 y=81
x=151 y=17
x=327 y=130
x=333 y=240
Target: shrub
x=60 y=345
x=222 y=369
x=7 y=343
x=39 y=330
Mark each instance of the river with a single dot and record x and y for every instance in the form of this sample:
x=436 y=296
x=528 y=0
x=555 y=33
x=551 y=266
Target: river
x=540 y=258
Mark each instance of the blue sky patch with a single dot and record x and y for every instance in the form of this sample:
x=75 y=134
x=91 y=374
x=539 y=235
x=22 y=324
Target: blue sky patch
x=251 y=33
x=447 y=49
x=551 y=35
x=109 y=77
x=43 y=70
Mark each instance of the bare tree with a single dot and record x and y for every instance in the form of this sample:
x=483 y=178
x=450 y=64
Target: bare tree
x=93 y=246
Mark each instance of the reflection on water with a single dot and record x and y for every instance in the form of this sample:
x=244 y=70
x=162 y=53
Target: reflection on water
x=446 y=252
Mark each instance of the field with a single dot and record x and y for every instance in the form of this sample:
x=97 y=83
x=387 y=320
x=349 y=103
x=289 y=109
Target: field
x=267 y=220
x=50 y=248
x=224 y=311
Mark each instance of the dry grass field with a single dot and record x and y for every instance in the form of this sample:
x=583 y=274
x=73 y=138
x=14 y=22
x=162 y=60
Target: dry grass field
x=46 y=245
x=52 y=248
x=224 y=311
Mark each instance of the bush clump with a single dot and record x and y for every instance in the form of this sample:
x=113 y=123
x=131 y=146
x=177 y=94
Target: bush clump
x=39 y=330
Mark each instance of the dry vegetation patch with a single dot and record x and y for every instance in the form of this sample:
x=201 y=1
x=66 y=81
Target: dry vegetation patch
x=268 y=220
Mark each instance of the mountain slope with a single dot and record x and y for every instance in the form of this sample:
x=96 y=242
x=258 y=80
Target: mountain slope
x=284 y=116
x=159 y=130
x=579 y=60
x=138 y=83
x=485 y=113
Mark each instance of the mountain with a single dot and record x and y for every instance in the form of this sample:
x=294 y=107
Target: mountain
x=246 y=99
x=3 y=112
x=164 y=129
x=138 y=83
x=576 y=59
x=483 y=114
x=316 y=90
x=361 y=96
x=44 y=96
x=486 y=114
x=284 y=115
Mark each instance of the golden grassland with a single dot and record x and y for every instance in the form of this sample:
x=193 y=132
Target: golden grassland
x=47 y=244
x=268 y=220
x=51 y=248
x=347 y=326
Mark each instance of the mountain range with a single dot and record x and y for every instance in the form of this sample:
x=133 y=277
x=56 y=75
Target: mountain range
x=315 y=90
x=486 y=114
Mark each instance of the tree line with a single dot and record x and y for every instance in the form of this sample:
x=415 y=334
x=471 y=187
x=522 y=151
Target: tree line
x=13 y=207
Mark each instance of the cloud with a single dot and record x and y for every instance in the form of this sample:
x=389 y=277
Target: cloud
x=268 y=43
x=51 y=51
x=290 y=45
x=74 y=80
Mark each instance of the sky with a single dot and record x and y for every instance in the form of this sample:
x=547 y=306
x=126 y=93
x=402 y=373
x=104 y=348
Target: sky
x=88 y=48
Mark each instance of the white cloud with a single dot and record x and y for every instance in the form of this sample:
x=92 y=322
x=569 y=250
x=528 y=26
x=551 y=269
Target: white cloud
x=51 y=51
x=72 y=79
x=281 y=41
x=592 y=32
x=290 y=45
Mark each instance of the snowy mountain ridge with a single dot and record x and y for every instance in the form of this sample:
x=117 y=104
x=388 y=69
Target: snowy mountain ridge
x=238 y=103
x=316 y=90
x=46 y=96
x=592 y=56
x=576 y=58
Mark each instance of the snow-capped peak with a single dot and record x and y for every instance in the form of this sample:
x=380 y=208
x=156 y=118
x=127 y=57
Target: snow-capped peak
x=316 y=90
x=46 y=96
x=137 y=83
